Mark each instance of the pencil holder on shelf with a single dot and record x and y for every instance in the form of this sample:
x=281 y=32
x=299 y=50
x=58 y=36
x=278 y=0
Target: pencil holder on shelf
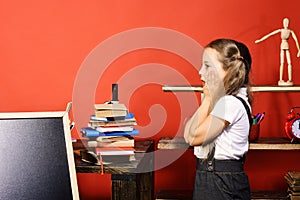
x=254 y=132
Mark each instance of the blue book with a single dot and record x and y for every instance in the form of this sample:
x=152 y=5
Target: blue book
x=90 y=132
x=129 y=116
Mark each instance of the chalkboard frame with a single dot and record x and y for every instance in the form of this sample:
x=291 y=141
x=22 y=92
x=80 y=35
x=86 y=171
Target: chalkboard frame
x=63 y=116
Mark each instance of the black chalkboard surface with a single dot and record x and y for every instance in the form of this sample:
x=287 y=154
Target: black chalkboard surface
x=36 y=157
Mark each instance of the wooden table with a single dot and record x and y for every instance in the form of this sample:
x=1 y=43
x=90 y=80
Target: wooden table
x=132 y=180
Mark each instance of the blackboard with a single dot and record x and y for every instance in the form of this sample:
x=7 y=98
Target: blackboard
x=36 y=157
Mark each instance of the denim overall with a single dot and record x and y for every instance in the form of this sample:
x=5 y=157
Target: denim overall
x=220 y=179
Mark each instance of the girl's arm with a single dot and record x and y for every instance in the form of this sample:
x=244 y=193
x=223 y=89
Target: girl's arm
x=202 y=126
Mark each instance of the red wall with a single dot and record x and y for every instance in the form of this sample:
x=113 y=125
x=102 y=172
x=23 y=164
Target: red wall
x=45 y=44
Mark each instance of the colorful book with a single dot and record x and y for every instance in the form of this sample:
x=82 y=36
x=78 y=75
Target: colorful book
x=293 y=178
x=110 y=110
x=112 y=141
x=129 y=117
x=115 y=141
x=98 y=119
x=123 y=122
x=114 y=129
x=90 y=132
x=115 y=151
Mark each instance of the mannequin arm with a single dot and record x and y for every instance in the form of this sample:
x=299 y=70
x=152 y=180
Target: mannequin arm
x=296 y=41
x=267 y=36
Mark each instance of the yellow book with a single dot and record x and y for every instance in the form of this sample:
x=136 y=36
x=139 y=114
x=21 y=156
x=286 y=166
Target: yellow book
x=110 y=110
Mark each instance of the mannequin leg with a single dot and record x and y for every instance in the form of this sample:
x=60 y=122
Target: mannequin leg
x=281 y=67
x=288 y=58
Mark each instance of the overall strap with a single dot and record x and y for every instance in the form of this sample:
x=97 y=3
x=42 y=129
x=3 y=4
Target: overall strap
x=210 y=158
x=249 y=117
x=247 y=109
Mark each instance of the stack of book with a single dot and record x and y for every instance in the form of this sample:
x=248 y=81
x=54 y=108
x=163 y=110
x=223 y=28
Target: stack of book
x=110 y=131
x=293 y=180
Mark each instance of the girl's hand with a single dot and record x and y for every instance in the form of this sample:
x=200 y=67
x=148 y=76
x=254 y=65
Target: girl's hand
x=214 y=86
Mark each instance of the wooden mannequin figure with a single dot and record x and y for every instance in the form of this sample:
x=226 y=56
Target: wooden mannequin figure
x=284 y=50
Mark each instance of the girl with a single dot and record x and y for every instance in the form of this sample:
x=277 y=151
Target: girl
x=219 y=128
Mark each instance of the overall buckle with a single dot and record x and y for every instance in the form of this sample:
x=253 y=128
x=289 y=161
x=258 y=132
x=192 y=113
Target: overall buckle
x=210 y=166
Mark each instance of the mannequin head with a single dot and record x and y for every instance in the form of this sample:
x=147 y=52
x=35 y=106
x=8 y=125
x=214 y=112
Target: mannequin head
x=286 y=22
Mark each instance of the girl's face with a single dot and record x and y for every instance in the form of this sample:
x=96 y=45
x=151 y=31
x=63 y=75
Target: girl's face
x=211 y=66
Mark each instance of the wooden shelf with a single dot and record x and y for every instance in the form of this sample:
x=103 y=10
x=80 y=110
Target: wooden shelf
x=182 y=88
x=261 y=144
x=275 y=88
x=274 y=144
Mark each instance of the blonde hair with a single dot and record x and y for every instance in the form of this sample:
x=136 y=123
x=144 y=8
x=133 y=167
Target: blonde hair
x=236 y=60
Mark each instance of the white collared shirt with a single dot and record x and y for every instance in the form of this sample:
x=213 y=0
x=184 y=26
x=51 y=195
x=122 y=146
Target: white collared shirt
x=232 y=143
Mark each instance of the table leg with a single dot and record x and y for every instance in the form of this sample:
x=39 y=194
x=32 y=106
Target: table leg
x=133 y=186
